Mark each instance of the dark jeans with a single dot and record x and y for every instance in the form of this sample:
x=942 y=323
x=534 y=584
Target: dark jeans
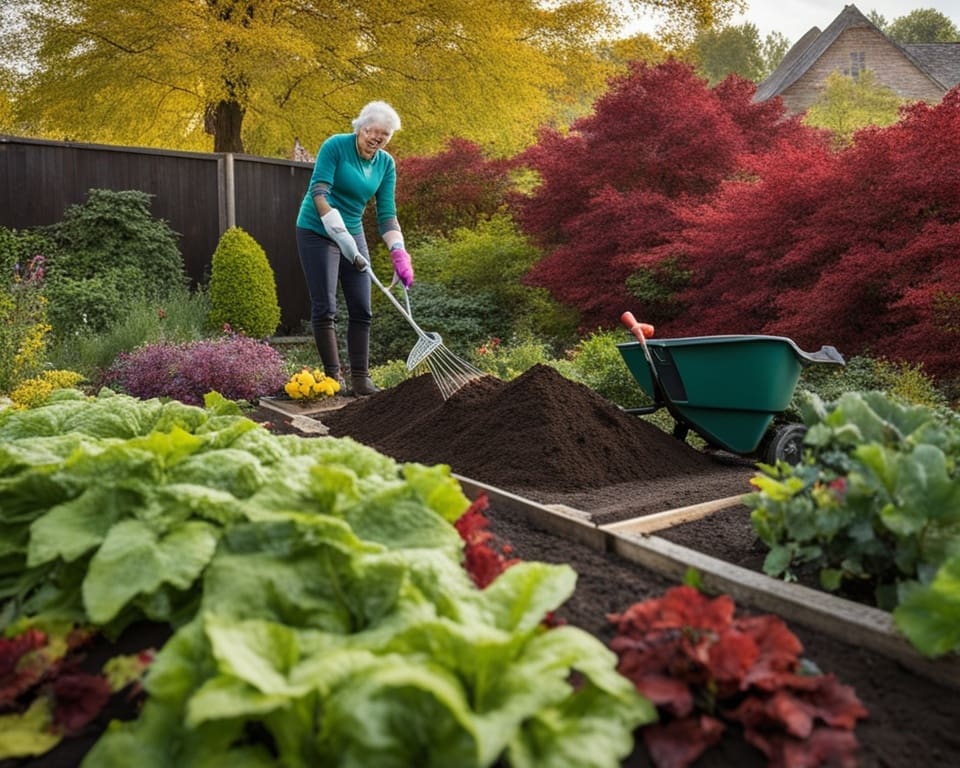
x=323 y=267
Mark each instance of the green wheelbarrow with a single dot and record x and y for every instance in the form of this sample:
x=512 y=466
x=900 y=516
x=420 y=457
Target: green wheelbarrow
x=727 y=389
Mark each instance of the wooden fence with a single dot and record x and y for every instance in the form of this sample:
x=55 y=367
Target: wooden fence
x=198 y=194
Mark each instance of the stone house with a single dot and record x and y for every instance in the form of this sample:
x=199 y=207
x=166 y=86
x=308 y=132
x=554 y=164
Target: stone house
x=852 y=44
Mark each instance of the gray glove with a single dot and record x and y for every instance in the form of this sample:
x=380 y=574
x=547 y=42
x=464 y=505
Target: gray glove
x=333 y=223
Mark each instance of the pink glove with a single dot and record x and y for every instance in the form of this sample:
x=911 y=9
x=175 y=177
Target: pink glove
x=402 y=266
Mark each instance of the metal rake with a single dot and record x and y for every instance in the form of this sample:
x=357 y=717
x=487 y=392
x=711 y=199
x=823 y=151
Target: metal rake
x=449 y=371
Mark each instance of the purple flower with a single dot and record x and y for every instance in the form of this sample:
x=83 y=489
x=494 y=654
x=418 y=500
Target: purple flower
x=237 y=367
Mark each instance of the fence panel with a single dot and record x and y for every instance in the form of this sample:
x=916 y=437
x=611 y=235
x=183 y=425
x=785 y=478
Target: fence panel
x=40 y=179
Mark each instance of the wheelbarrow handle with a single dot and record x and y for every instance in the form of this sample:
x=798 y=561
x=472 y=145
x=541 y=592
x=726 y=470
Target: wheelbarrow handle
x=642 y=331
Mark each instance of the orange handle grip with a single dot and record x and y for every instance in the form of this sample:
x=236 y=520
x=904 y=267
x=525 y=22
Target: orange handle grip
x=642 y=331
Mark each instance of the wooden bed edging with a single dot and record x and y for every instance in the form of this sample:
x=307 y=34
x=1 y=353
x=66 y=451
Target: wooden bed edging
x=844 y=619
x=672 y=517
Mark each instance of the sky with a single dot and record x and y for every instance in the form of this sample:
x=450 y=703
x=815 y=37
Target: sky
x=793 y=18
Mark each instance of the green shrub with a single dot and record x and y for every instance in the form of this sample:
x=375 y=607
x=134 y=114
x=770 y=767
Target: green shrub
x=243 y=289
x=86 y=305
x=599 y=364
x=181 y=316
x=463 y=321
x=488 y=263
x=19 y=247
x=864 y=374
x=113 y=240
x=508 y=360
x=390 y=374
x=24 y=330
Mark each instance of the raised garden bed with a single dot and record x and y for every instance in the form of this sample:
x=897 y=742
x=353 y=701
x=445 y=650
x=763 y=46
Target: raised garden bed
x=576 y=471
x=548 y=440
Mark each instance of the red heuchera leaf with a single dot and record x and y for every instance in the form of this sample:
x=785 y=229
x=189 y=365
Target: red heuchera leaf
x=79 y=699
x=472 y=524
x=822 y=698
x=666 y=693
x=23 y=663
x=825 y=746
x=678 y=743
x=731 y=658
x=695 y=661
x=481 y=559
x=779 y=651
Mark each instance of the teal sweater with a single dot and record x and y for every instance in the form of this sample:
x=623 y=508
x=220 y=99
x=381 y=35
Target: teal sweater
x=353 y=181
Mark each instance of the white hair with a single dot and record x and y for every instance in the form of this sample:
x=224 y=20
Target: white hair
x=380 y=114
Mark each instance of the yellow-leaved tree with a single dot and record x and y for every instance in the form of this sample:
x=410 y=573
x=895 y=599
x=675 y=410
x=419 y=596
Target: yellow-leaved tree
x=847 y=105
x=251 y=75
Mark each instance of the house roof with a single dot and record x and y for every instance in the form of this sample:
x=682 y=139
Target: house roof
x=939 y=61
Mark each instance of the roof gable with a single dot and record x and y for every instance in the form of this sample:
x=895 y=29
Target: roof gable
x=939 y=62
x=796 y=63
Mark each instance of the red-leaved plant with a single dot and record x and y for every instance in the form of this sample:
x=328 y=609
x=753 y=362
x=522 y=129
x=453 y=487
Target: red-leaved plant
x=31 y=665
x=704 y=668
x=484 y=558
x=238 y=367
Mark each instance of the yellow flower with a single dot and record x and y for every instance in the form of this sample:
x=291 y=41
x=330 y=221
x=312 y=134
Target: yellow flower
x=311 y=384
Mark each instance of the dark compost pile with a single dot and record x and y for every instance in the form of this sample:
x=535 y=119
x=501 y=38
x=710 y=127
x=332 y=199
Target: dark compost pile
x=540 y=435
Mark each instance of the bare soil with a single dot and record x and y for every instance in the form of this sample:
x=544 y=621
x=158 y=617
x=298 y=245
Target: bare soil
x=557 y=442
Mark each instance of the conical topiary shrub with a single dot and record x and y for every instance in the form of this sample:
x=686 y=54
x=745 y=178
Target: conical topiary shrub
x=243 y=288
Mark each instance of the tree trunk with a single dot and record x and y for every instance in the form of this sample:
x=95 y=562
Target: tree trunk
x=227 y=122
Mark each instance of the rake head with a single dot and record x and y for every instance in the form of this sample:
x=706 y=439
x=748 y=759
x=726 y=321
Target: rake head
x=427 y=344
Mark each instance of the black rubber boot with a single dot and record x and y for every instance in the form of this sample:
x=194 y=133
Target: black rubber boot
x=362 y=385
x=358 y=347
x=325 y=337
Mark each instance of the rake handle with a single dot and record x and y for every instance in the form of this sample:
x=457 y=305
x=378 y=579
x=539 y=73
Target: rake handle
x=405 y=312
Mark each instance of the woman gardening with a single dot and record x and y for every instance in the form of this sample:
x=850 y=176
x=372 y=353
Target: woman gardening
x=351 y=169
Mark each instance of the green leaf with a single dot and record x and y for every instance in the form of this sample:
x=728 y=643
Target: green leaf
x=237 y=472
x=134 y=560
x=301 y=571
x=930 y=615
x=387 y=713
x=438 y=488
x=693 y=578
x=830 y=579
x=777 y=560
x=227 y=698
x=395 y=516
x=70 y=530
x=29 y=733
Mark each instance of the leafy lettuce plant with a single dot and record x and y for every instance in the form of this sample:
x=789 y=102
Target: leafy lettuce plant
x=876 y=502
x=322 y=613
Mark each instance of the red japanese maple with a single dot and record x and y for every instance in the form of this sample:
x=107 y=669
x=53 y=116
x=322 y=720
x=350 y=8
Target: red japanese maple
x=855 y=249
x=612 y=189
x=703 y=667
x=453 y=188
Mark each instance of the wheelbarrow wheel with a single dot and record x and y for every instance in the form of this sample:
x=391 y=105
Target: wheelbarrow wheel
x=784 y=443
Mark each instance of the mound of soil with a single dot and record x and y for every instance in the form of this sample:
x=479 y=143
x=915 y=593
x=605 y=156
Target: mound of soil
x=538 y=431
